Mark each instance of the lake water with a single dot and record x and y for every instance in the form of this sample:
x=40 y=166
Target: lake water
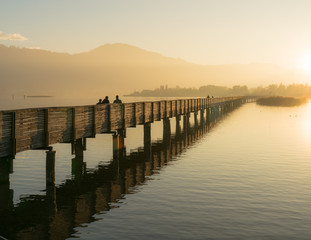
x=248 y=176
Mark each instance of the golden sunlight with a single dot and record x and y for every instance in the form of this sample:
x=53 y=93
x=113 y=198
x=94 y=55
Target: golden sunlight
x=306 y=63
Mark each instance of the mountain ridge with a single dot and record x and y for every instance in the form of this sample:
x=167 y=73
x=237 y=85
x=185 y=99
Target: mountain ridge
x=120 y=69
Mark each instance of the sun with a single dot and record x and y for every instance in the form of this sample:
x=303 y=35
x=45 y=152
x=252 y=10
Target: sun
x=306 y=63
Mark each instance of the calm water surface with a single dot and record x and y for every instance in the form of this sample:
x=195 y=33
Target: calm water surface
x=246 y=177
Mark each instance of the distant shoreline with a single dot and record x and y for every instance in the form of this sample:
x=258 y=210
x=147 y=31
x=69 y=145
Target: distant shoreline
x=39 y=96
x=279 y=101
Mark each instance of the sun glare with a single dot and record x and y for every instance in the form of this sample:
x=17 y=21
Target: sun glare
x=306 y=63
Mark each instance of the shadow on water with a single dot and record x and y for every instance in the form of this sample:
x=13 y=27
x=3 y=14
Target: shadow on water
x=79 y=200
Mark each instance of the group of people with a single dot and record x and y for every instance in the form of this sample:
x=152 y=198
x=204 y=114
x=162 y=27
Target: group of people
x=106 y=100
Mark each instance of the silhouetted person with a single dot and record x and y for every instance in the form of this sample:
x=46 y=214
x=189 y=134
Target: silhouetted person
x=99 y=101
x=208 y=96
x=117 y=100
x=106 y=100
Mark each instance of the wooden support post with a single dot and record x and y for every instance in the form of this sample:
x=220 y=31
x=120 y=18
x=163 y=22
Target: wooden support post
x=118 y=144
x=188 y=121
x=73 y=150
x=178 y=131
x=209 y=114
x=79 y=147
x=214 y=112
x=147 y=134
x=186 y=106
x=166 y=130
x=198 y=104
x=185 y=124
x=147 y=140
x=195 y=119
x=78 y=166
x=180 y=110
x=50 y=167
x=122 y=135
x=10 y=163
x=84 y=143
x=115 y=145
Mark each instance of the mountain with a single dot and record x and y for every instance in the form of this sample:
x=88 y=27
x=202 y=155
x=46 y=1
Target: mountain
x=120 y=69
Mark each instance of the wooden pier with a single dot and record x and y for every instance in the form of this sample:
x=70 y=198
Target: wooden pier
x=40 y=128
x=89 y=193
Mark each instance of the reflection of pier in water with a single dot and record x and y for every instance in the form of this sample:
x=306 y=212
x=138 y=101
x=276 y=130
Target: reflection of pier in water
x=76 y=201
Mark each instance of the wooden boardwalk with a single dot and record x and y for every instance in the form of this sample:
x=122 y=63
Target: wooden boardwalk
x=92 y=192
x=38 y=128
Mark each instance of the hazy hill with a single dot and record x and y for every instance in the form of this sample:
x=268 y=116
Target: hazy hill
x=120 y=68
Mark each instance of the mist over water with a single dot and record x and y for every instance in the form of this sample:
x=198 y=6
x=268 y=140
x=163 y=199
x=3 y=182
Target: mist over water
x=248 y=177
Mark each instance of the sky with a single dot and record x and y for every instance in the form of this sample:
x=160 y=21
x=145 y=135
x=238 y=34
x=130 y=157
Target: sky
x=198 y=31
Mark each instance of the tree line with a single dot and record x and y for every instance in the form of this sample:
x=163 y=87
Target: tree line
x=292 y=90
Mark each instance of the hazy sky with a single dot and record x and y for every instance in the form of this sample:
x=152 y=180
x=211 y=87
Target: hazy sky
x=200 y=31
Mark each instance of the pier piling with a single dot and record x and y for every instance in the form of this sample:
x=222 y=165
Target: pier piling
x=166 y=129
x=50 y=167
x=147 y=138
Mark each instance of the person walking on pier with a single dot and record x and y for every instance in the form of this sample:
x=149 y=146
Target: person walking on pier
x=106 y=100
x=99 y=101
x=117 y=100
